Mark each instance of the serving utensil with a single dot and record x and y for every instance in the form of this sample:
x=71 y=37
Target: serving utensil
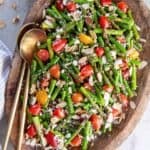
x=27 y=40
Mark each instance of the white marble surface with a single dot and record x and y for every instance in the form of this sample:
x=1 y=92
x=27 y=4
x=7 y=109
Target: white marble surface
x=138 y=140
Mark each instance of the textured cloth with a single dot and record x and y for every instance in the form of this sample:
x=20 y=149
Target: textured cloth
x=5 y=59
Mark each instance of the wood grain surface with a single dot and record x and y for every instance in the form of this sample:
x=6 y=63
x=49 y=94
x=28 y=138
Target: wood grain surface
x=119 y=133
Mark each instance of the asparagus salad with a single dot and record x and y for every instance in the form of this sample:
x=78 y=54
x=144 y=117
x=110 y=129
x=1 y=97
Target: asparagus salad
x=83 y=76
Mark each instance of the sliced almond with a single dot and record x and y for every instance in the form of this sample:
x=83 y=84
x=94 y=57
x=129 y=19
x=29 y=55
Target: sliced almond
x=14 y=5
x=2 y=24
x=16 y=20
x=1 y=2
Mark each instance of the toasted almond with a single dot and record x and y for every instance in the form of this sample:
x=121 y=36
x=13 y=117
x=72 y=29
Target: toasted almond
x=2 y=24
x=14 y=5
x=16 y=20
x=1 y=2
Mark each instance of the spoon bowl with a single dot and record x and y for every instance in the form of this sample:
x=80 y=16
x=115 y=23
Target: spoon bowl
x=28 y=40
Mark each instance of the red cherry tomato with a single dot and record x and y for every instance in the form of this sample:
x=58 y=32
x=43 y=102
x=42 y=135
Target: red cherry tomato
x=44 y=83
x=51 y=139
x=123 y=6
x=99 y=51
x=71 y=6
x=59 y=112
x=88 y=86
x=123 y=98
x=35 y=109
x=86 y=71
x=31 y=131
x=104 y=22
x=76 y=141
x=43 y=55
x=60 y=5
x=59 y=45
x=55 y=71
x=77 y=97
x=106 y=2
x=108 y=88
x=115 y=112
x=96 y=122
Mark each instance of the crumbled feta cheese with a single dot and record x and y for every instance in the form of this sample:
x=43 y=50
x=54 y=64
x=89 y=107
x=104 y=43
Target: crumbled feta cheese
x=68 y=135
x=113 y=54
x=99 y=77
x=54 y=120
x=109 y=121
x=62 y=71
x=58 y=36
x=85 y=6
x=117 y=106
x=91 y=80
x=33 y=89
x=70 y=90
x=106 y=98
x=60 y=83
x=32 y=101
x=62 y=104
x=75 y=117
x=104 y=60
x=75 y=63
x=83 y=60
x=76 y=41
x=117 y=63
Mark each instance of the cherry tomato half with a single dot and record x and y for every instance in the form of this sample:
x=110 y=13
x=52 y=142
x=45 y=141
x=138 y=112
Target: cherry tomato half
x=35 y=109
x=71 y=6
x=124 y=99
x=51 y=139
x=106 y=2
x=77 y=97
x=104 y=22
x=59 y=4
x=86 y=71
x=31 y=131
x=123 y=6
x=55 y=71
x=43 y=55
x=99 y=51
x=96 y=121
x=59 y=45
x=76 y=141
x=59 y=112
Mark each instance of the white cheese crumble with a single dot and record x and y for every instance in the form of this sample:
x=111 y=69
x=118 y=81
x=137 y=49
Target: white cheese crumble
x=106 y=98
x=117 y=63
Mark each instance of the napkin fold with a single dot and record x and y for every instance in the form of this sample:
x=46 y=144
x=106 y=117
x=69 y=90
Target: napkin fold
x=5 y=61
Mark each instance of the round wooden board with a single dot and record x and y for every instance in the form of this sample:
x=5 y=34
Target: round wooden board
x=119 y=133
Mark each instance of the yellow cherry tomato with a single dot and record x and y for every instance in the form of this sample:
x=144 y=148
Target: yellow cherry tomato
x=85 y=39
x=42 y=97
x=133 y=54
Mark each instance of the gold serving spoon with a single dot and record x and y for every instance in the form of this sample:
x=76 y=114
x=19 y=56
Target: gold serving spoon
x=29 y=35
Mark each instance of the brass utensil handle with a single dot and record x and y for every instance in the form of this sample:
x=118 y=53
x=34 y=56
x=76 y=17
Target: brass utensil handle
x=23 y=116
x=14 y=107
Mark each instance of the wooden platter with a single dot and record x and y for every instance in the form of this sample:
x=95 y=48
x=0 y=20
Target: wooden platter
x=119 y=133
